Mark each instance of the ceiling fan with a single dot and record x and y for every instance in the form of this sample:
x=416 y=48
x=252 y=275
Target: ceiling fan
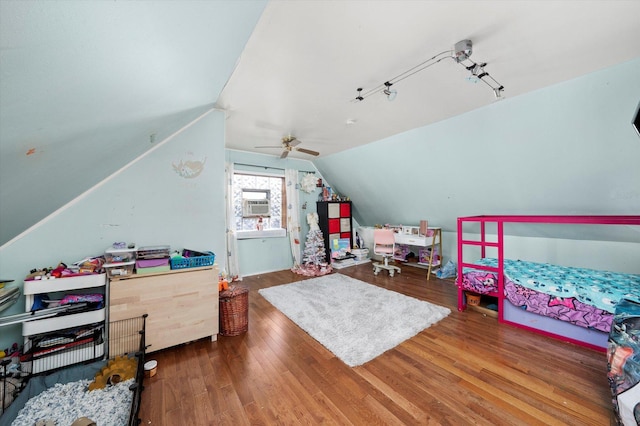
x=290 y=143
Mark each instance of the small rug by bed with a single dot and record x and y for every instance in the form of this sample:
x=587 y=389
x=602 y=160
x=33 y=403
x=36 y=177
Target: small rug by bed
x=354 y=320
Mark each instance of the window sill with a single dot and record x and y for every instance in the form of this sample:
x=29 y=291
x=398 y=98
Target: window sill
x=267 y=233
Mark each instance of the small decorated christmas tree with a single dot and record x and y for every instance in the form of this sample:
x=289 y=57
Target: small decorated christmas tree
x=314 y=260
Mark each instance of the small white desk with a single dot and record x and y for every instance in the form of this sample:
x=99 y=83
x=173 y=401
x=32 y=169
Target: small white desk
x=433 y=242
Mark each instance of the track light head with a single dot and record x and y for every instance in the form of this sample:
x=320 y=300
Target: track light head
x=389 y=92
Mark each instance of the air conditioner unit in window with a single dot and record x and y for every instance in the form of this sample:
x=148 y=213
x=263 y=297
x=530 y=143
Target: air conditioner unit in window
x=254 y=208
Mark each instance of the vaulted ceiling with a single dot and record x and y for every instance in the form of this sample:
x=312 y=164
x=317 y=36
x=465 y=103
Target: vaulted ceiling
x=85 y=87
x=301 y=69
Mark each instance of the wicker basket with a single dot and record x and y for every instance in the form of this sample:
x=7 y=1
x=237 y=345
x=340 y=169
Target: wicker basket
x=234 y=311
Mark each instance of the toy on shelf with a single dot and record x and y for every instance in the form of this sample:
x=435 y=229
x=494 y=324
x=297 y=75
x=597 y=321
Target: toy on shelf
x=223 y=282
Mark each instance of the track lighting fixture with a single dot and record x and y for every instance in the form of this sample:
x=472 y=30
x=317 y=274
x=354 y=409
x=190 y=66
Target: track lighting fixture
x=391 y=93
x=463 y=50
x=477 y=70
x=461 y=53
x=478 y=73
x=359 y=97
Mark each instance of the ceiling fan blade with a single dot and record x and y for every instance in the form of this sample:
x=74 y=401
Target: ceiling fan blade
x=269 y=146
x=308 y=151
x=290 y=141
x=284 y=153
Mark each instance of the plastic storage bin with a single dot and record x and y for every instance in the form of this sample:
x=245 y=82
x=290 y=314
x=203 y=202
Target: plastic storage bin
x=114 y=255
x=123 y=269
x=192 y=259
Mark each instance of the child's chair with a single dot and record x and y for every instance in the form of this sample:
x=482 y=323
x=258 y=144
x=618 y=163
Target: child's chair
x=384 y=244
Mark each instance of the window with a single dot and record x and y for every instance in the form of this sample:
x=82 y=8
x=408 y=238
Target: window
x=259 y=198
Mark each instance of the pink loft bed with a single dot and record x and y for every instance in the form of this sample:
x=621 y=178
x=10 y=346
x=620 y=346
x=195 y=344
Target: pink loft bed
x=544 y=298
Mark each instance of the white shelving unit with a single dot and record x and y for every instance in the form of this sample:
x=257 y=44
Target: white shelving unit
x=36 y=327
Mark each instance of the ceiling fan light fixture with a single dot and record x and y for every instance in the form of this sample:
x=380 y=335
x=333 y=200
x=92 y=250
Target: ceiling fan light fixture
x=290 y=143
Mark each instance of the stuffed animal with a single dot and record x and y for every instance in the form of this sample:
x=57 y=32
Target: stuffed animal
x=223 y=281
x=59 y=270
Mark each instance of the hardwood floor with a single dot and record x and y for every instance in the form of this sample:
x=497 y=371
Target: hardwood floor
x=466 y=369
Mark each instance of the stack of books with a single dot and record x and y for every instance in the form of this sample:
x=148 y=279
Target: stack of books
x=361 y=254
x=342 y=255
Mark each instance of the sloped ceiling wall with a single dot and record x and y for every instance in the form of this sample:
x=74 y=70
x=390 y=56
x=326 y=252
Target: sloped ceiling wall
x=88 y=86
x=566 y=149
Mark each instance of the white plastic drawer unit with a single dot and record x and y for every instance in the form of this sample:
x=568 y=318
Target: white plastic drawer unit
x=68 y=284
x=62 y=359
x=114 y=255
x=63 y=284
x=46 y=325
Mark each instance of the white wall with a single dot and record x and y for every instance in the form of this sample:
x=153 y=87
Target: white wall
x=566 y=149
x=260 y=255
x=149 y=203
x=86 y=83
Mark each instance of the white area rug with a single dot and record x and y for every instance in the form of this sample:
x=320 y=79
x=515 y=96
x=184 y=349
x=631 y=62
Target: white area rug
x=354 y=320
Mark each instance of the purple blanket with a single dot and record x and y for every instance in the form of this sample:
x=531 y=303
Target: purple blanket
x=565 y=309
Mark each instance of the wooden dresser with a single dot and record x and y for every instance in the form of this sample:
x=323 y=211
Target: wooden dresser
x=182 y=304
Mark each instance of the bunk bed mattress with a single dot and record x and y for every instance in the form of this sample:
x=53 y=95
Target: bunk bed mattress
x=581 y=296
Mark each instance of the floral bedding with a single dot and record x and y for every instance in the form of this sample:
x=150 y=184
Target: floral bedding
x=585 y=297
